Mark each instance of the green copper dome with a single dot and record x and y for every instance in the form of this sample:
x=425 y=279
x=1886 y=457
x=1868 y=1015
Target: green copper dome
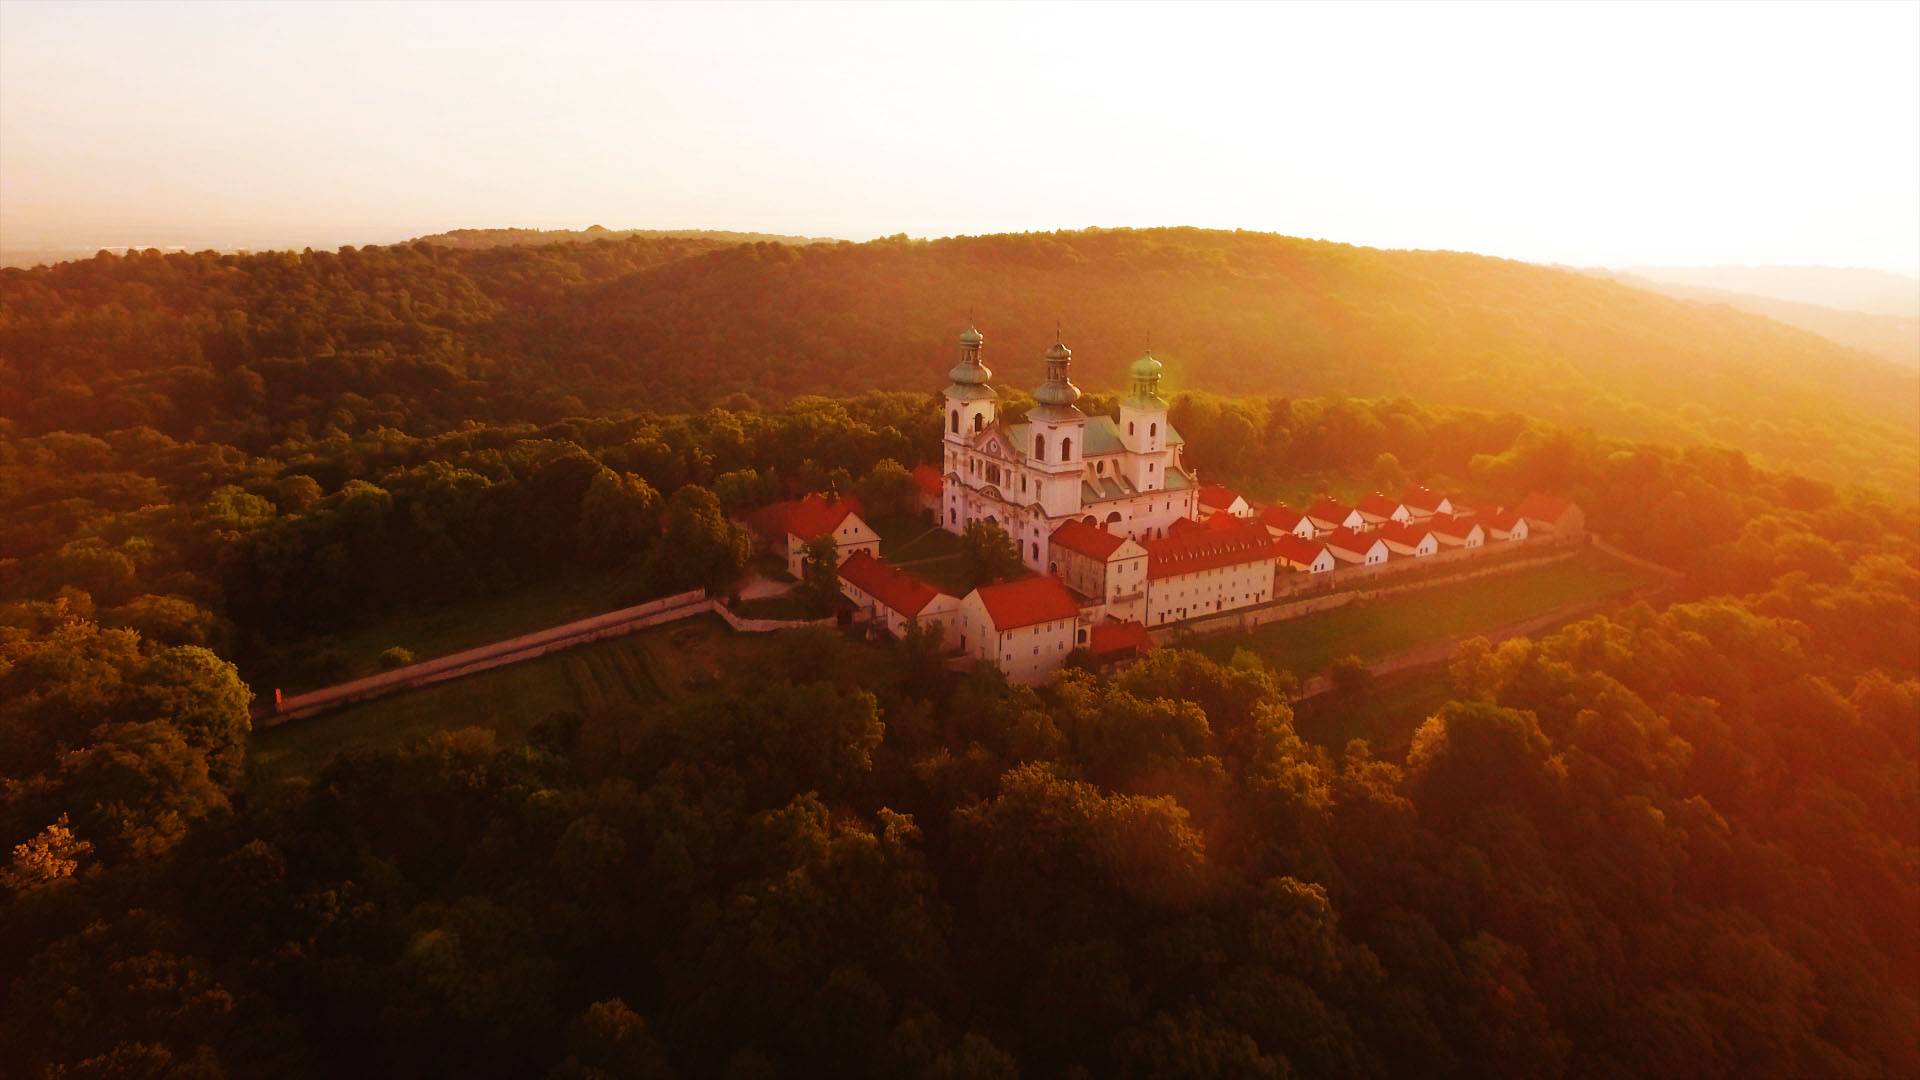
x=1147 y=367
x=970 y=336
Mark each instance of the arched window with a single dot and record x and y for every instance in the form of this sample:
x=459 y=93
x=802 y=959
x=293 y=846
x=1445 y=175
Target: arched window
x=1100 y=467
x=1129 y=427
x=979 y=421
x=1153 y=429
x=1066 y=449
x=955 y=424
x=1039 y=448
x=953 y=517
x=1113 y=517
x=993 y=474
x=1036 y=552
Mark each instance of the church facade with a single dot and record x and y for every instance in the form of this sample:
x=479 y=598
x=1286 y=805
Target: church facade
x=1119 y=473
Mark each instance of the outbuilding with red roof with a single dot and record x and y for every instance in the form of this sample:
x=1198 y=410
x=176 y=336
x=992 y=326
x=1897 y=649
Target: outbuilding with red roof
x=893 y=598
x=1411 y=539
x=787 y=527
x=1114 y=642
x=1214 y=499
x=1353 y=546
x=1101 y=566
x=1281 y=519
x=1456 y=531
x=1423 y=502
x=1024 y=627
x=1328 y=514
x=1377 y=510
x=1299 y=553
x=1506 y=525
x=1554 y=513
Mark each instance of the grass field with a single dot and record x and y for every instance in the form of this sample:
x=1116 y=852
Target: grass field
x=465 y=625
x=925 y=550
x=605 y=677
x=1372 y=629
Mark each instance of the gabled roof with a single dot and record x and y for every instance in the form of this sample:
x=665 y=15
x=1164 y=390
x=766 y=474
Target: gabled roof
x=887 y=584
x=1404 y=532
x=1357 y=543
x=1378 y=505
x=1544 y=507
x=1217 y=495
x=928 y=479
x=1112 y=638
x=1448 y=525
x=1297 y=548
x=1503 y=519
x=1027 y=601
x=815 y=515
x=1281 y=517
x=1194 y=550
x=1422 y=498
x=1090 y=540
x=1325 y=508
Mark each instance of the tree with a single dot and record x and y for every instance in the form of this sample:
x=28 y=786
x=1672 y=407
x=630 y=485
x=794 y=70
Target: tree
x=820 y=572
x=990 y=554
x=699 y=545
x=887 y=490
x=618 y=517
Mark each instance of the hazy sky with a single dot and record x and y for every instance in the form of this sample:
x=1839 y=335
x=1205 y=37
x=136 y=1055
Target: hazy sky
x=1606 y=134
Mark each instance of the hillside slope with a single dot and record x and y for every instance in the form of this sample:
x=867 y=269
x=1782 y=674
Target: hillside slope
x=1895 y=338
x=249 y=348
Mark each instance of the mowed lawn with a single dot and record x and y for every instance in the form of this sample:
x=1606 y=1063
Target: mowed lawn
x=465 y=625
x=925 y=550
x=605 y=678
x=1372 y=629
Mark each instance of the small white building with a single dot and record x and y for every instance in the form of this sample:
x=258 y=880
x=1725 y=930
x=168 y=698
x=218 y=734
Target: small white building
x=1408 y=539
x=1297 y=553
x=1377 y=510
x=1025 y=627
x=1457 y=532
x=1218 y=499
x=1282 y=520
x=1328 y=514
x=894 y=599
x=1358 y=548
x=1507 y=525
x=787 y=527
x=1423 y=503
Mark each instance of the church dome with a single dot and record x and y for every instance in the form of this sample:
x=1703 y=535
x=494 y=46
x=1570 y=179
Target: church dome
x=970 y=336
x=1059 y=351
x=1061 y=392
x=1147 y=367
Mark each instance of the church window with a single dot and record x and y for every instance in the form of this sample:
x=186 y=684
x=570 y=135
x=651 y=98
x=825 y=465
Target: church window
x=1066 y=449
x=993 y=474
x=1129 y=427
x=956 y=420
x=1100 y=467
x=1036 y=551
x=1150 y=466
x=1039 y=448
x=1153 y=429
x=953 y=517
x=979 y=421
x=1023 y=482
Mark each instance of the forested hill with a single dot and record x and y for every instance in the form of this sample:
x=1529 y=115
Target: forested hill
x=252 y=349
x=486 y=238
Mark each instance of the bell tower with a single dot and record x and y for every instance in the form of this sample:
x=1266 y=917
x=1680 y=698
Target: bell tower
x=1058 y=431
x=970 y=398
x=1143 y=426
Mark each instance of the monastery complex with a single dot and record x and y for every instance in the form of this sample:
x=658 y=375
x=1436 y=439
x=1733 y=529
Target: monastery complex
x=1119 y=537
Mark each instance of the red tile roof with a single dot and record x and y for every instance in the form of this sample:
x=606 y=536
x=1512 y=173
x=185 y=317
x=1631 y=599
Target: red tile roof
x=1281 y=517
x=1195 y=550
x=1089 y=540
x=1358 y=543
x=1028 y=600
x=1422 y=498
x=815 y=515
x=1223 y=523
x=1328 y=509
x=1217 y=495
x=1378 y=505
x=1297 y=548
x=1187 y=525
x=1404 y=532
x=928 y=479
x=1112 y=638
x=1503 y=519
x=1543 y=507
x=887 y=584
x=1448 y=525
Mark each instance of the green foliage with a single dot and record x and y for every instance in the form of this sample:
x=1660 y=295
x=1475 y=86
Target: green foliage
x=989 y=553
x=820 y=571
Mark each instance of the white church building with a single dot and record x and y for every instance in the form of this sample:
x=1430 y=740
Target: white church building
x=1121 y=474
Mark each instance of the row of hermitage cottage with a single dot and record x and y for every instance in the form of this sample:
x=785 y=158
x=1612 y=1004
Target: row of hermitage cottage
x=1120 y=536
